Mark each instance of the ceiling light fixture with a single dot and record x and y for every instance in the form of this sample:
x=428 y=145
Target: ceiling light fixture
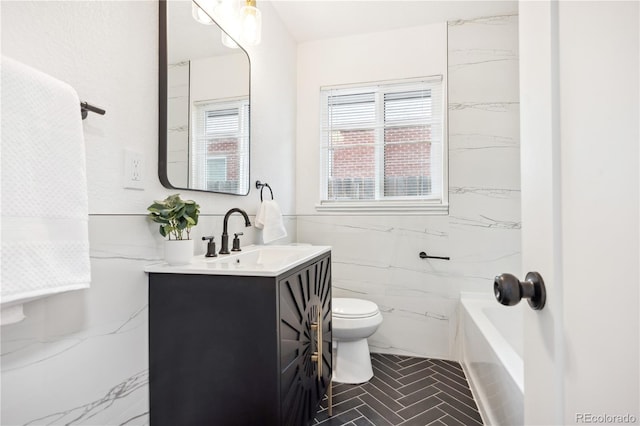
x=227 y=15
x=251 y=23
x=244 y=25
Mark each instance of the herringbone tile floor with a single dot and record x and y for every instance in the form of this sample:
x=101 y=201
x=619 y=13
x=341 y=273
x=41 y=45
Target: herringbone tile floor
x=404 y=391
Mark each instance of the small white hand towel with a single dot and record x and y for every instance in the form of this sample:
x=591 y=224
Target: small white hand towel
x=45 y=213
x=269 y=219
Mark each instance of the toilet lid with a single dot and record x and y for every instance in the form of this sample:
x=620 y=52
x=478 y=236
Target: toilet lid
x=353 y=308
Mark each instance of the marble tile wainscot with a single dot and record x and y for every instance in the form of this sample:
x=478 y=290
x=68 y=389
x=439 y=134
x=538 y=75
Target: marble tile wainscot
x=81 y=357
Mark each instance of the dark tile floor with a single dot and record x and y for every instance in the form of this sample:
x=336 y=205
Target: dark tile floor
x=404 y=391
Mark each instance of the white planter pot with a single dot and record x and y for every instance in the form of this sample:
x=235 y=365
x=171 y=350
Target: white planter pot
x=178 y=252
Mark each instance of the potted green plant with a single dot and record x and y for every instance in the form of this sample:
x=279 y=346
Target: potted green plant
x=176 y=218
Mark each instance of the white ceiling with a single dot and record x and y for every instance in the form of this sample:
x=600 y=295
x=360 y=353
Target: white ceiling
x=309 y=20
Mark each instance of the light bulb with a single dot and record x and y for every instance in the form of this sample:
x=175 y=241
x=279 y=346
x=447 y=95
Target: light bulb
x=251 y=21
x=227 y=16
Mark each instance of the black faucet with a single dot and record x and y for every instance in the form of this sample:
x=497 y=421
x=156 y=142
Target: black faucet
x=225 y=237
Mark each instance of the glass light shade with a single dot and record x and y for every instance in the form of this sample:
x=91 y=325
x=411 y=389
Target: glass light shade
x=251 y=24
x=227 y=16
x=199 y=15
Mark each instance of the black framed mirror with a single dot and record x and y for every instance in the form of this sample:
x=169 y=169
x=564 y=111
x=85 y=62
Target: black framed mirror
x=205 y=104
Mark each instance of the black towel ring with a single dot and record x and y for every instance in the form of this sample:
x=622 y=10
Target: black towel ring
x=261 y=186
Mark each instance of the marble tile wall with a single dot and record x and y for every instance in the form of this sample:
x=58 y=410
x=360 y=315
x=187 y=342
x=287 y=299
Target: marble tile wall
x=82 y=357
x=376 y=257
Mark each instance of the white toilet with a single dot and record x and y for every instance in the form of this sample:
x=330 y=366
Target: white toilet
x=353 y=321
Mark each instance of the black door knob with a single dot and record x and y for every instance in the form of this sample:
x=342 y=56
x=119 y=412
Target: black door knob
x=509 y=290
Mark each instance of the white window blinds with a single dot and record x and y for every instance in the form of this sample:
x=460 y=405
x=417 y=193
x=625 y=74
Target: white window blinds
x=383 y=142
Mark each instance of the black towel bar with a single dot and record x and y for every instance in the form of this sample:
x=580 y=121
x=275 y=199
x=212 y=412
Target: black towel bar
x=424 y=255
x=86 y=107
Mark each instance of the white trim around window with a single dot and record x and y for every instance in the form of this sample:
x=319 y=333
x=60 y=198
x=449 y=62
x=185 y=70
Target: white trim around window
x=383 y=148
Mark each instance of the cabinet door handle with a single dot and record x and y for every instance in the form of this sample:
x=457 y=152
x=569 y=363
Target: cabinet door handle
x=319 y=347
x=317 y=355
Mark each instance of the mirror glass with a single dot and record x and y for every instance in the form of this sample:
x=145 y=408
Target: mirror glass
x=204 y=105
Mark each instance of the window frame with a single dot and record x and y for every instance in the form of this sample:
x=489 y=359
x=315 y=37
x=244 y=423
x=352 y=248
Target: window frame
x=198 y=164
x=432 y=205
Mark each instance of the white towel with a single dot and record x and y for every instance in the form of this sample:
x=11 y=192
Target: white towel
x=269 y=219
x=11 y=314
x=45 y=214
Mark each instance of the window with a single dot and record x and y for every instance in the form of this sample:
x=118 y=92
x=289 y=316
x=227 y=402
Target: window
x=216 y=171
x=383 y=146
x=220 y=148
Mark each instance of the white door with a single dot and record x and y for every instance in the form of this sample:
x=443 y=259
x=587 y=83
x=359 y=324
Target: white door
x=580 y=189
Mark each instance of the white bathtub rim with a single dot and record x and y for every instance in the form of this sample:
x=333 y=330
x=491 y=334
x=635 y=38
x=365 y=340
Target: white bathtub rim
x=485 y=415
x=509 y=358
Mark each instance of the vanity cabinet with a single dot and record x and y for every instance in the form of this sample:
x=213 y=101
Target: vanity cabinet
x=240 y=350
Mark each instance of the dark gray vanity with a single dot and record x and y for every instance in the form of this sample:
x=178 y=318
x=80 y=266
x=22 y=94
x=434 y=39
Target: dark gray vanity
x=241 y=340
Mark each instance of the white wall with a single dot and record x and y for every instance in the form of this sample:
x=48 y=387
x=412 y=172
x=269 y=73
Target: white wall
x=81 y=357
x=376 y=257
x=178 y=124
x=233 y=71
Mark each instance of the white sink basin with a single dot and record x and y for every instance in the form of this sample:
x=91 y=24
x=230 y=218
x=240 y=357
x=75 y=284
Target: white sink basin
x=268 y=261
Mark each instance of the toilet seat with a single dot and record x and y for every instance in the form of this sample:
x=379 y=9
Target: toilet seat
x=353 y=308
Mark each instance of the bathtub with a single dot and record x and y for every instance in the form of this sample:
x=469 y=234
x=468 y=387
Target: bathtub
x=491 y=352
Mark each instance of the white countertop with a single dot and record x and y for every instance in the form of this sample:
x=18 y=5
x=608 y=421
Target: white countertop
x=253 y=260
